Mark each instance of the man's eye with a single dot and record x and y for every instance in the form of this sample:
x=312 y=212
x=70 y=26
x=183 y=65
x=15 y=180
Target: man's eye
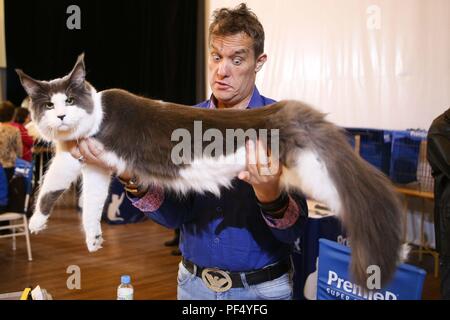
x=69 y=101
x=49 y=105
x=216 y=57
x=237 y=62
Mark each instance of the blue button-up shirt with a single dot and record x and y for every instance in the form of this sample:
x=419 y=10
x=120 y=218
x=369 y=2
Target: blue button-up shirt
x=229 y=233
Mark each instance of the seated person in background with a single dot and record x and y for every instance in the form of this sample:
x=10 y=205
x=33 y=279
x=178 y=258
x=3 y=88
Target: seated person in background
x=21 y=119
x=10 y=141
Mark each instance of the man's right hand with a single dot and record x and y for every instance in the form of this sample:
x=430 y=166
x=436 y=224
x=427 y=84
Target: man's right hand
x=90 y=151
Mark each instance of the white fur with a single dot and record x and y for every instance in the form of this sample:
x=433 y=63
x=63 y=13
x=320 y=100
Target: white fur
x=76 y=124
x=63 y=170
x=210 y=174
x=59 y=101
x=311 y=177
x=95 y=190
x=114 y=161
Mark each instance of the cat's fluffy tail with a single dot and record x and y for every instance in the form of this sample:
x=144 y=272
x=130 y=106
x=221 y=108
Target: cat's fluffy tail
x=371 y=212
x=363 y=197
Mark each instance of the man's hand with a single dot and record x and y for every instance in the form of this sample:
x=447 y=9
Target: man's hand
x=88 y=151
x=263 y=172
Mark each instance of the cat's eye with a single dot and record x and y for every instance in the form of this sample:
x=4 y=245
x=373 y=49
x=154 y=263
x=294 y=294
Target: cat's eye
x=69 y=101
x=49 y=105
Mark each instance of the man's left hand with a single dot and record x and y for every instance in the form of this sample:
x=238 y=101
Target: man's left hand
x=263 y=172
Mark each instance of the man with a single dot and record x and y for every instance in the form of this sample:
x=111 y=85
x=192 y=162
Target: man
x=238 y=246
x=438 y=154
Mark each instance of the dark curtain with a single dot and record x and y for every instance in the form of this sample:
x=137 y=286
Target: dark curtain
x=146 y=47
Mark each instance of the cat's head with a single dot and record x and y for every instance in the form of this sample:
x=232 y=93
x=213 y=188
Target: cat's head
x=63 y=108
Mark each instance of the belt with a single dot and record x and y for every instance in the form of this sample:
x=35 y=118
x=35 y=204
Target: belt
x=221 y=280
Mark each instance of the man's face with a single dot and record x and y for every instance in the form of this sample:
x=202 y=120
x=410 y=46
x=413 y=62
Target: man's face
x=233 y=67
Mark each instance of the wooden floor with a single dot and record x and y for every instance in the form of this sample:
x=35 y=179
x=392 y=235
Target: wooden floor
x=135 y=249
x=431 y=288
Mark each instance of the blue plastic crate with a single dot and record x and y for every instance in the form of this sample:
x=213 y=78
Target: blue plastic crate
x=405 y=155
x=375 y=146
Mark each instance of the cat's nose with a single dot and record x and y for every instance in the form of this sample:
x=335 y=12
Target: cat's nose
x=61 y=117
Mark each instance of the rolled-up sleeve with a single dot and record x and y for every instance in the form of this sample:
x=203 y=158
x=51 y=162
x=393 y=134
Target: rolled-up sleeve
x=288 y=228
x=151 y=201
x=164 y=207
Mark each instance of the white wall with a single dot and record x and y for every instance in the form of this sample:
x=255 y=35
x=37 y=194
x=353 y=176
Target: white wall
x=378 y=64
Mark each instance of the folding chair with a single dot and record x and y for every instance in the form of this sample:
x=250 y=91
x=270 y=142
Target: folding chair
x=333 y=281
x=18 y=222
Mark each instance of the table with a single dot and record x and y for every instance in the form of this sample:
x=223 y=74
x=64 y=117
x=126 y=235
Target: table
x=412 y=191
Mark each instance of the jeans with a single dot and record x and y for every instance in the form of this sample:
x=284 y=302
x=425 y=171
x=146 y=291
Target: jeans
x=191 y=287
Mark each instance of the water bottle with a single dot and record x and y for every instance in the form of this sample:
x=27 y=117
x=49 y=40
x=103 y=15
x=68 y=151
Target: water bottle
x=125 y=290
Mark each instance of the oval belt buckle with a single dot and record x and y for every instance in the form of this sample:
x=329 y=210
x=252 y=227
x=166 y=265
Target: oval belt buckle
x=217 y=280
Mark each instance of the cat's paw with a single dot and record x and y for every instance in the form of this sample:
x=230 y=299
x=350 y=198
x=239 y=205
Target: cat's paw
x=94 y=242
x=38 y=222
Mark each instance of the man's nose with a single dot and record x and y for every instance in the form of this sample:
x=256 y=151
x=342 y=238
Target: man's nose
x=222 y=71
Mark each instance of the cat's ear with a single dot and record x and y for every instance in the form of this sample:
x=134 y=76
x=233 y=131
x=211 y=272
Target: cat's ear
x=30 y=85
x=78 y=73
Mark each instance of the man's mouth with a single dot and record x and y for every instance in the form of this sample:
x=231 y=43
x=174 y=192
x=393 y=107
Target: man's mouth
x=222 y=85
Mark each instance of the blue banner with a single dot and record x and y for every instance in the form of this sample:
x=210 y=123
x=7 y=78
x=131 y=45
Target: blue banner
x=306 y=252
x=334 y=284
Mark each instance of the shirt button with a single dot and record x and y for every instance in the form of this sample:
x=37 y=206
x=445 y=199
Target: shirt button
x=219 y=209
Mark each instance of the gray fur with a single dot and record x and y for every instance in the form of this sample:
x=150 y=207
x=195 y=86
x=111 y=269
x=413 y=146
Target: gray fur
x=371 y=210
x=48 y=201
x=139 y=130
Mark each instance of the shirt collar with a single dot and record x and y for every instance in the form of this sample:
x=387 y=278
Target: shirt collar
x=255 y=101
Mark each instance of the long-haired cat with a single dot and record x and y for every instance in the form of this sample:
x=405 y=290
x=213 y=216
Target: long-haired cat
x=136 y=132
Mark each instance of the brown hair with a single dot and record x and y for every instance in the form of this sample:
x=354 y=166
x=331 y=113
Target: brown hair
x=6 y=111
x=21 y=115
x=240 y=19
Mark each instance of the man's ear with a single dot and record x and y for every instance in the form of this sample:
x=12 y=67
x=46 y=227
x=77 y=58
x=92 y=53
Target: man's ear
x=260 y=62
x=78 y=73
x=30 y=85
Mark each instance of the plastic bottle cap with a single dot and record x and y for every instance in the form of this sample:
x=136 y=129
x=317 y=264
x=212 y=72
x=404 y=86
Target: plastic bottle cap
x=125 y=279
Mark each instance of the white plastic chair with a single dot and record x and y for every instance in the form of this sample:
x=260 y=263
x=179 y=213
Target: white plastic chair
x=18 y=222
